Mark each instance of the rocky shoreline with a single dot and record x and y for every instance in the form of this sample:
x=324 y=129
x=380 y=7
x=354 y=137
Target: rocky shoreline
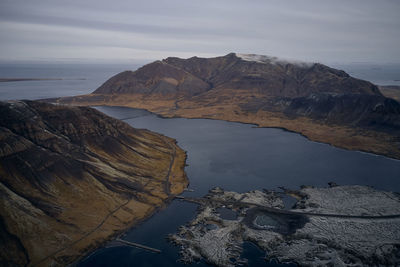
x=338 y=226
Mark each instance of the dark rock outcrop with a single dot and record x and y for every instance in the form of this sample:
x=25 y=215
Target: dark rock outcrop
x=361 y=110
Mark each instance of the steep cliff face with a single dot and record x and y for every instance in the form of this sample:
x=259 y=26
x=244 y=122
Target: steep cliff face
x=71 y=178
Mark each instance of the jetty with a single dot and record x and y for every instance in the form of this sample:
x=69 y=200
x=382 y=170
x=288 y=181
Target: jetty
x=133 y=244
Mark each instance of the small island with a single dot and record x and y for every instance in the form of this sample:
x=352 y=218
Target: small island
x=335 y=226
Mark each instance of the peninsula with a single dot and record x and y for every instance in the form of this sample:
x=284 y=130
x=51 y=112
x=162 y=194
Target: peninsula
x=72 y=178
x=324 y=104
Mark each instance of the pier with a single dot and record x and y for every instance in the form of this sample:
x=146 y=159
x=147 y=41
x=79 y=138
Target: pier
x=132 y=244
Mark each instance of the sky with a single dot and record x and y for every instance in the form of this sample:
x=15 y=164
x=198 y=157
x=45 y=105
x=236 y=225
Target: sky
x=323 y=31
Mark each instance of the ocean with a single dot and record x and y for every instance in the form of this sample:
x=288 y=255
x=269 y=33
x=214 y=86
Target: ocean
x=71 y=79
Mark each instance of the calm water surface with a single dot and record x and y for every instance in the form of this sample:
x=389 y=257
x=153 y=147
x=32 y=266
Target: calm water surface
x=238 y=157
x=76 y=79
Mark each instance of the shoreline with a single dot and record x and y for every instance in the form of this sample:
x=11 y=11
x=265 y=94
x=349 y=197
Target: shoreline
x=286 y=232
x=123 y=232
x=150 y=214
x=93 y=240
x=340 y=136
x=255 y=125
x=101 y=178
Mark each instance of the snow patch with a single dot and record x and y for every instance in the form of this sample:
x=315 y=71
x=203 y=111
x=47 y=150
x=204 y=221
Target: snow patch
x=274 y=60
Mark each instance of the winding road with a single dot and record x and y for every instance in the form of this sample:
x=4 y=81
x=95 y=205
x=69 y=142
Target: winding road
x=286 y=212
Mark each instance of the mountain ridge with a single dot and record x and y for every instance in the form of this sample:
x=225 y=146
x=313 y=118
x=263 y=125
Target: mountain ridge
x=233 y=72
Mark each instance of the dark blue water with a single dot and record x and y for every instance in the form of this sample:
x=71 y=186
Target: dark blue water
x=230 y=155
x=153 y=233
x=239 y=157
x=77 y=79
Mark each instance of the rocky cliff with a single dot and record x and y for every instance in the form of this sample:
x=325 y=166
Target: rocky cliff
x=72 y=178
x=322 y=103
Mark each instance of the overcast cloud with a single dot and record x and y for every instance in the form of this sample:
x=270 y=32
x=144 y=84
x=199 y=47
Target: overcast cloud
x=311 y=30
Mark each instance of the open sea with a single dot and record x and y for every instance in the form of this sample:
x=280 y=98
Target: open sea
x=72 y=79
x=234 y=156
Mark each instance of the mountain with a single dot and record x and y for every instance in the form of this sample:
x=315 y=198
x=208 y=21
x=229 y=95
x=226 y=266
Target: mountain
x=72 y=178
x=266 y=75
x=322 y=103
